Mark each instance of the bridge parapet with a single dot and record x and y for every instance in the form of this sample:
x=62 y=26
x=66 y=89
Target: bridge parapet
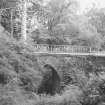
x=63 y=49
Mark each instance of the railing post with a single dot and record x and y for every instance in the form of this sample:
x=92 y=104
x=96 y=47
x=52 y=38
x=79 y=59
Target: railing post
x=90 y=49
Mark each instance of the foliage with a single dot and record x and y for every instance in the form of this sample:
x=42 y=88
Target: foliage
x=62 y=25
x=56 y=18
x=93 y=92
x=97 y=19
x=6 y=19
x=25 y=75
x=82 y=78
x=7 y=3
x=65 y=27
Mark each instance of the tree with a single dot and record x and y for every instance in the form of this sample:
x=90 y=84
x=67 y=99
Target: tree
x=7 y=3
x=97 y=19
x=59 y=14
x=56 y=17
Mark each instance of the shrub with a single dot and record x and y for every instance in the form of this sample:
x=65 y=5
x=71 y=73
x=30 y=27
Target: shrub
x=92 y=92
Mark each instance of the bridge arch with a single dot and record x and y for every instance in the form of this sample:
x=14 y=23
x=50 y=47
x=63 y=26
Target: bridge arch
x=50 y=83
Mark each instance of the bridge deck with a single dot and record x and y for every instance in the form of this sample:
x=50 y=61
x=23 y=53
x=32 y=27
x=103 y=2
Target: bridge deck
x=66 y=50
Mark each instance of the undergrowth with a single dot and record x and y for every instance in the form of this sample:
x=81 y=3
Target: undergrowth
x=21 y=73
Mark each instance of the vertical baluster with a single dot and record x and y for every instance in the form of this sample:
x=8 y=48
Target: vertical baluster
x=38 y=47
x=64 y=48
x=61 y=48
x=81 y=49
x=51 y=48
x=77 y=49
x=43 y=47
x=67 y=47
x=47 y=47
x=72 y=49
x=90 y=50
x=35 y=46
x=84 y=49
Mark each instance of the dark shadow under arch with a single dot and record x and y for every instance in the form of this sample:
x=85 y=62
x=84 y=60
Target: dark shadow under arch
x=50 y=83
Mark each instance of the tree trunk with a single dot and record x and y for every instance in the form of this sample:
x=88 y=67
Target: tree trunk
x=24 y=21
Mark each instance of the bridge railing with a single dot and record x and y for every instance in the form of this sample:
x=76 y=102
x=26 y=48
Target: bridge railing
x=45 y=48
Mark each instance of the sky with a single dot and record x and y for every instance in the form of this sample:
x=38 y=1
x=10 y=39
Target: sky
x=85 y=5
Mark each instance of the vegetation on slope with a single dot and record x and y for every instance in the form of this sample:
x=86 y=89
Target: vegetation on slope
x=82 y=78
x=21 y=72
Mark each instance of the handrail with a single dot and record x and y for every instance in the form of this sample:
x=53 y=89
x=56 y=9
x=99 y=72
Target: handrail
x=43 y=50
x=64 y=48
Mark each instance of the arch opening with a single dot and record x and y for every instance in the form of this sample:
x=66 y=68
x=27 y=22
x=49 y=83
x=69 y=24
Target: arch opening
x=50 y=83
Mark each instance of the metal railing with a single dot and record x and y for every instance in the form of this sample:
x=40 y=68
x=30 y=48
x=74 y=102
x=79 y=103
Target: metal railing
x=45 y=48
